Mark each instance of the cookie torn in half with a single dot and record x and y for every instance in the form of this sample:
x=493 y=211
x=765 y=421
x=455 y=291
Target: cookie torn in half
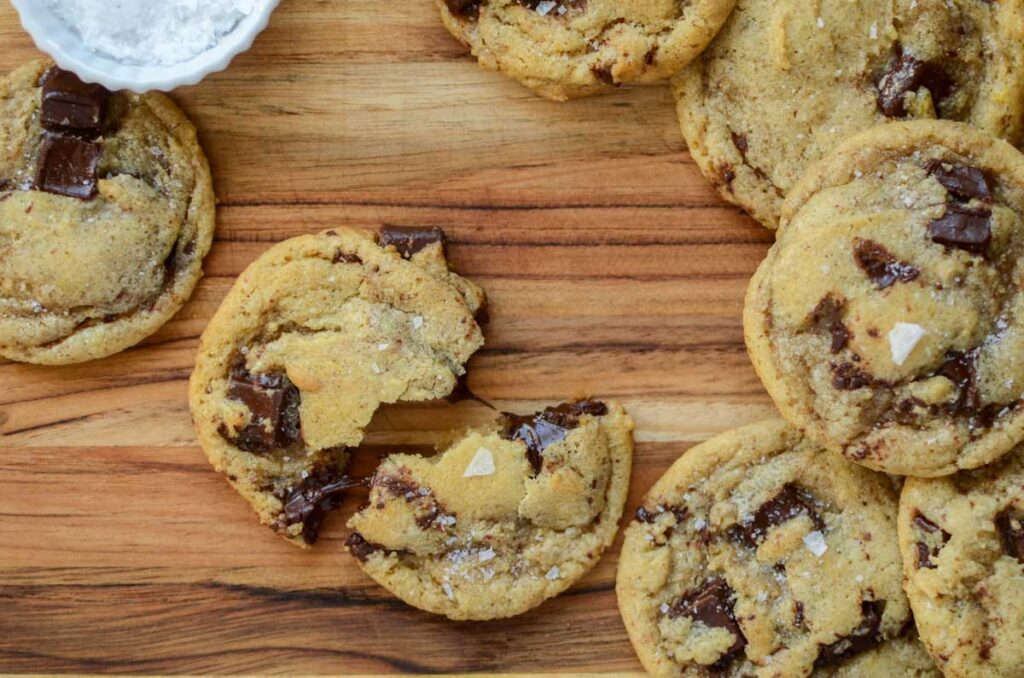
x=314 y=337
x=505 y=518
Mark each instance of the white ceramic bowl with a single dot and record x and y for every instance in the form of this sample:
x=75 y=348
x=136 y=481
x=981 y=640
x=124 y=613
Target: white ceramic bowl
x=53 y=37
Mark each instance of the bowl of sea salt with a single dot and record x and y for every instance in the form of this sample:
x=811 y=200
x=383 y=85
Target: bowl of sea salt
x=144 y=45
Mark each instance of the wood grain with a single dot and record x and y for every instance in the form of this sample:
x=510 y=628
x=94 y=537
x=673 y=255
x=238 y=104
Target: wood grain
x=613 y=269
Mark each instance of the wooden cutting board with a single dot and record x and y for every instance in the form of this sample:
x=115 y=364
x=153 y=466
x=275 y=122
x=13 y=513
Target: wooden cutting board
x=613 y=269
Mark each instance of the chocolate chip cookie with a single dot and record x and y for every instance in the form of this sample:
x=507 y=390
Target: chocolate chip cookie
x=314 y=337
x=888 y=319
x=785 y=82
x=106 y=213
x=505 y=518
x=962 y=539
x=761 y=554
x=564 y=49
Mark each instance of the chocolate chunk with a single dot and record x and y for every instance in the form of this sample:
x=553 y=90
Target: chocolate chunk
x=313 y=498
x=960 y=368
x=790 y=502
x=740 y=142
x=408 y=241
x=67 y=166
x=865 y=637
x=849 y=377
x=907 y=74
x=71 y=106
x=1011 y=528
x=712 y=605
x=924 y=552
x=963 y=228
x=604 y=74
x=961 y=181
x=341 y=257
x=543 y=429
x=463 y=8
x=273 y=401
x=881 y=265
x=827 y=316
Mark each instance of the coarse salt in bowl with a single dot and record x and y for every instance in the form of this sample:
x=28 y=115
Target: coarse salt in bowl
x=55 y=37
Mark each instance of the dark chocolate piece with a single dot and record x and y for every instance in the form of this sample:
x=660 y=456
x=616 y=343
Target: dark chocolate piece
x=712 y=605
x=543 y=429
x=960 y=368
x=273 y=401
x=849 y=377
x=341 y=257
x=362 y=549
x=410 y=240
x=962 y=182
x=67 y=166
x=963 y=228
x=790 y=502
x=863 y=638
x=828 y=317
x=313 y=498
x=604 y=74
x=907 y=74
x=924 y=552
x=71 y=106
x=881 y=265
x=1011 y=529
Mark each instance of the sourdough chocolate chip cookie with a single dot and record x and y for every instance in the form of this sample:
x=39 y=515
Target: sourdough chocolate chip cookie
x=563 y=49
x=505 y=518
x=106 y=213
x=314 y=337
x=888 y=319
x=761 y=554
x=785 y=82
x=962 y=539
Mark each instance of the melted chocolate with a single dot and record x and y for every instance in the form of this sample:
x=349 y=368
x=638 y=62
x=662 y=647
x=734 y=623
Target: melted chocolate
x=924 y=553
x=865 y=637
x=907 y=74
x=272 y=399
x=962 y=182
x=881 y=265
x=408 y=241
x=70 y=106
x=963 y=228
x=1011 y=530
x=790 y=502
x=67 y=166
x=313 y=498
x=362 y=549
x=712 y=605
x=543 y=429
x=827 y=316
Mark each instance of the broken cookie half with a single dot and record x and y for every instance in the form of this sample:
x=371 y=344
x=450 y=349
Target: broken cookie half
x=314 y=337
x=505 y=518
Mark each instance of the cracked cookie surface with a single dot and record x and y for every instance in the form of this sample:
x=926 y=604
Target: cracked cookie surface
x=564 y=49
x=760 y=554
x=106 y=213
x=502 y=520
x=888 y=321
x=786 y=81
x=962 y=539
x=314 y=337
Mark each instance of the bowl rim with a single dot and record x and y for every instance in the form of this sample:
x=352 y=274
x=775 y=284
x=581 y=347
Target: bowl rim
x=52 y=36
